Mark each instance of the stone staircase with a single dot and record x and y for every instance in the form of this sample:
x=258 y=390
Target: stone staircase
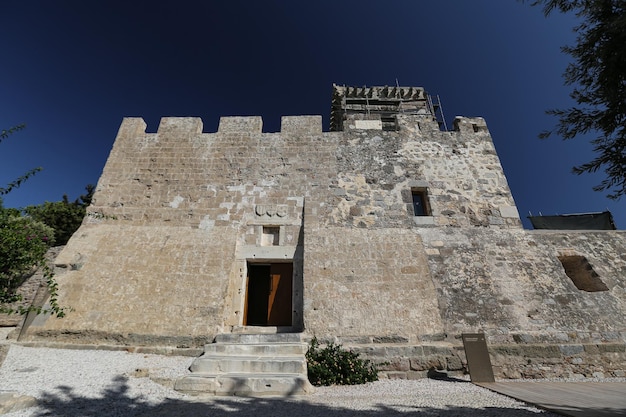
x=249 y=365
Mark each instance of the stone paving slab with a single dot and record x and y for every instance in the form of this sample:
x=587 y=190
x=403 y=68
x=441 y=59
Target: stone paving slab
x=13 y=401
x=577 y=399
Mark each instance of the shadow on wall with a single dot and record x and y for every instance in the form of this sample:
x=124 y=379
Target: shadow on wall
x=115 y=401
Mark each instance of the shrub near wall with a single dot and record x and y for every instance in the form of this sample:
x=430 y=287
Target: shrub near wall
x=23 y=243
x=333 y=365
x=23 y=246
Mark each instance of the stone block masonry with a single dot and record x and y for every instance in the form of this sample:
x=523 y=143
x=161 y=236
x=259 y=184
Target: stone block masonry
x=390 y=236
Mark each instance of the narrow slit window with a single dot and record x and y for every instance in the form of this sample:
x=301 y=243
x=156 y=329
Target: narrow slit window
x=580 y=271
x=420 y=203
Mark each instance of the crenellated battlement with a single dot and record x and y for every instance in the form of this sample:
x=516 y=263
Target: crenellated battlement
x=192 y=126
x=301 y=124
x=131 y=127
x=240 y=124
x=180 y=126
x=470 y=124
x=180 y=153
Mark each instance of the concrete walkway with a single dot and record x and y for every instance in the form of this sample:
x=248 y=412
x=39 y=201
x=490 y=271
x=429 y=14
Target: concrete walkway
x=577 y=399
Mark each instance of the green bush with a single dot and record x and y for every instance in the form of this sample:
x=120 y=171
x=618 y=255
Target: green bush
x=333 y=365
x=23 y=246
x=23 y=242
x=63 y=216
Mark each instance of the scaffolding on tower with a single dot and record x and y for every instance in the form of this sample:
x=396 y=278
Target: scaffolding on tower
x=384 y=102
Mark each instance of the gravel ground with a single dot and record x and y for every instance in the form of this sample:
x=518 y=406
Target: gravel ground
x=116 y=383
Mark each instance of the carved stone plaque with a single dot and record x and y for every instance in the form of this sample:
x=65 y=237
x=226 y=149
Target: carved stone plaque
x=368 y=124
x=271 y=210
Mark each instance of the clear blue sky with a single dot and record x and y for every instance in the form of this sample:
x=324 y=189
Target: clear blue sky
x=71 y=70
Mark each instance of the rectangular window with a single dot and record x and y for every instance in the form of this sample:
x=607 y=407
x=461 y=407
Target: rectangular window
x=420 y=203
x=271 y=236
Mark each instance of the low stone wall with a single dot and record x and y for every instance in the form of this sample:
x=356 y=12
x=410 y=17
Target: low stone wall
x=565 y=360
x=512 y=361
x=80 y=338
x=413 y=362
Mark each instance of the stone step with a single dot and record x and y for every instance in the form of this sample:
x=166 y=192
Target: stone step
x=244 y=384
x=258 y=338
x=250 y=364
x=257 y=349
x=218 y=364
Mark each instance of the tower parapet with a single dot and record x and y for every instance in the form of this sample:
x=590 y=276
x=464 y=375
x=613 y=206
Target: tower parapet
x=470 y=124
x=370 y=104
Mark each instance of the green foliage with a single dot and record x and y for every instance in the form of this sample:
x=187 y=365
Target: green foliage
x=334 y=365
x=63 y=216
x=5 y=133
x=16 y=183
x=598 y=77
x=9 y=211
x=23 y=245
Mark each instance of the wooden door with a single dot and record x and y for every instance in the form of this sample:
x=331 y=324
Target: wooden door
x=269 y=295
x=279 y=302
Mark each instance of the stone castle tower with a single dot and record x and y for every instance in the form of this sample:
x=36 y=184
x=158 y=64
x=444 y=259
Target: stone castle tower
x=386 y=234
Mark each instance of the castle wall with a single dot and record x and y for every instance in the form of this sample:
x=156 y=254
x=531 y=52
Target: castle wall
x=180 y=215
x=379 y=290
x=512 y=283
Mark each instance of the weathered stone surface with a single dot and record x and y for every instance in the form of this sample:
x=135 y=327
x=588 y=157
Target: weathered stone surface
x=396 y=364
x=454 y=363
x=569 y=350
x=13 y=401
x=428 y=362
x=4 y=350
x=250 y=365
x=390 y=339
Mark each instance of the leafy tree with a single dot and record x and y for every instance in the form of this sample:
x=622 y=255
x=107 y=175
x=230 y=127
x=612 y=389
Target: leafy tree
x=598 y=77
x=63 y=216
x=23 y=243
x=23 y=246
x=11 y=211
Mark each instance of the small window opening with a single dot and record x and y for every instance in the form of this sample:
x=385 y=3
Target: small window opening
x=271 y=236
x=580 y=271
x=478 y=128
x=389 y=123
x=420 y=203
